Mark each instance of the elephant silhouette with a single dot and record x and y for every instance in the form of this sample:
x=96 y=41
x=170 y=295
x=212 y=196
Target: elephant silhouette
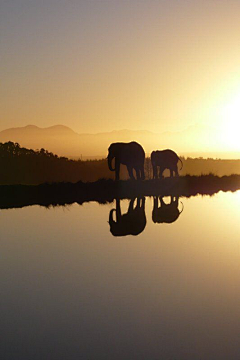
x=164 y=159
x=165 y=213
x=131 y=223
x=130 y=154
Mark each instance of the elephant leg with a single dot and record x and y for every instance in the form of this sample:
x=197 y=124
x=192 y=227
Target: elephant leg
x=155 y=209
x=138 y=202
x=138 y=174
x=171 y=172
x=162 y=203
x=142 y=173
x=176 y=202
x=117 y=170
x=142 y=203
x=130 y=172
x=155 y=202
x=176 y=171
x=161 y=172
x=154 y=167
x=130 y=207
x=118 y=210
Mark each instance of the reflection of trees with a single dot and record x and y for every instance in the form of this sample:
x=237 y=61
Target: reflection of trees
x=165 y=213
x=131 y=223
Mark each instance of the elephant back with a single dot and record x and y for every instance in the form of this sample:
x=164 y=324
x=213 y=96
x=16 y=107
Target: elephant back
x=137 y=149
x=132 y=153
x=166 y=156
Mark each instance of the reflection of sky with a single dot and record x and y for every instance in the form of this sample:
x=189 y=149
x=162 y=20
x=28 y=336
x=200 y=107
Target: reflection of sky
x=171 y=292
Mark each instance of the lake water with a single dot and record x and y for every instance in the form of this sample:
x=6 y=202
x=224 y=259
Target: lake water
x=70 y=289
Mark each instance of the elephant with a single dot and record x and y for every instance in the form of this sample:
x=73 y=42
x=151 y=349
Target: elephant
x=164 y=159
x=130 y=154
x=131 y=223
x=165 y=213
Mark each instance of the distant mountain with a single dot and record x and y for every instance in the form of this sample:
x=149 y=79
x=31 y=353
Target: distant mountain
x=65 y=142
x=58 y=139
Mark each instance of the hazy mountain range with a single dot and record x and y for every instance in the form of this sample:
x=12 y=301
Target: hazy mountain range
x=62 y=140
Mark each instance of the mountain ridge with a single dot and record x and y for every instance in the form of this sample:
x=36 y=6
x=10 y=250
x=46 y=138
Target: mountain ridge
x=64 y=141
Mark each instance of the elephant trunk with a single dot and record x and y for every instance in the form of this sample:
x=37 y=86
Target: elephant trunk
x=110 y=158
x=110 y=220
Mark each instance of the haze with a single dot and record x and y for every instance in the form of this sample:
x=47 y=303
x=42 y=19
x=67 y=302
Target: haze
x=98 y=66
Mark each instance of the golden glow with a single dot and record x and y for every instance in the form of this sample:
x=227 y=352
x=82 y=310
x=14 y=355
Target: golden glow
x=230 y=124
x=168 y=67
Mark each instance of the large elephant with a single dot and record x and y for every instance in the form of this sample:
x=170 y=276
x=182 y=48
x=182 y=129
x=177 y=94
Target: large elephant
x=130 y=154
x=165 y=213
x=131 y=223
x=164 y=159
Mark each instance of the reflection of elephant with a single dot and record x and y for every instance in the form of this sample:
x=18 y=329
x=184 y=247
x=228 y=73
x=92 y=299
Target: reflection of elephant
x=166 y=213
x=131 y=223
x=164 y=159
x=130 y=154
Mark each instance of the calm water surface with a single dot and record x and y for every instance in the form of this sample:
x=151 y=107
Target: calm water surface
x=70 y=289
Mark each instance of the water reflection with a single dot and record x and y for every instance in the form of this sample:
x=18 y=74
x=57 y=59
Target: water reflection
x=131 y=223
x=68 y=291
x=165 y=212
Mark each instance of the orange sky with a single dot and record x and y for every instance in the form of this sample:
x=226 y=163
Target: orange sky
x=103 y=65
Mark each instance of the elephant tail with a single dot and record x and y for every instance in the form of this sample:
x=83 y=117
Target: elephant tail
x=182 y=208
x=181 y=163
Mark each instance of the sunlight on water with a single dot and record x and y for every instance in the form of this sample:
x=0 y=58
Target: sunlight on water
x=71 y=289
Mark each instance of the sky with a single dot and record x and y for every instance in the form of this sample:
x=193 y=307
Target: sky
x=107 y=65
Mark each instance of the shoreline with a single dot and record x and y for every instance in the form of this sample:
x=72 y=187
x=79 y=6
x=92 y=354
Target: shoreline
x=105 y=191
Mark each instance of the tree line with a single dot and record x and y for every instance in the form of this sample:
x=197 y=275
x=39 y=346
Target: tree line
x=19 y=165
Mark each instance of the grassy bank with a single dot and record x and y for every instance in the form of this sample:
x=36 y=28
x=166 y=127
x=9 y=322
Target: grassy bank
x=102 y=191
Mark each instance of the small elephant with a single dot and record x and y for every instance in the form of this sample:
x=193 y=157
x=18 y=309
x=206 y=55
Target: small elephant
x=165 y=213
x=165 y=159
x=131 y=223
x=130 y=154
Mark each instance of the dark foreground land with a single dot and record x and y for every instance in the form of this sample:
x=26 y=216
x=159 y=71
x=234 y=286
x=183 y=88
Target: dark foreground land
x=19 y=165
x=103 y=191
